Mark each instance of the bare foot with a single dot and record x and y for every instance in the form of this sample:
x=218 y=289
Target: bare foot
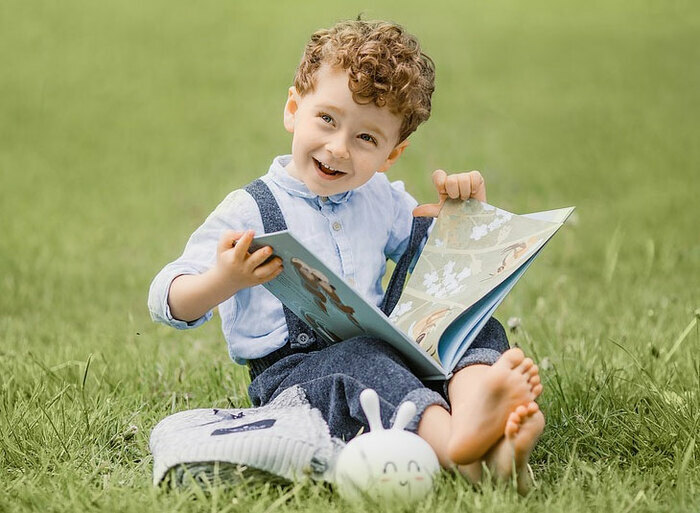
x=482 y=398
x=511 y=454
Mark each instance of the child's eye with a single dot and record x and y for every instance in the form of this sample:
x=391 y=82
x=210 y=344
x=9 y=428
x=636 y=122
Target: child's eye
x=326 y=118
x=368 y=138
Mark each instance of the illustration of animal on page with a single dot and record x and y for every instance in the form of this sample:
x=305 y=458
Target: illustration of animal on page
x=513 y=254
x=420 y=329
x=318 y=285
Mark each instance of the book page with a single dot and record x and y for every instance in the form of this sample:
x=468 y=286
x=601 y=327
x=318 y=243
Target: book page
x=472 y=249
x=331 y=307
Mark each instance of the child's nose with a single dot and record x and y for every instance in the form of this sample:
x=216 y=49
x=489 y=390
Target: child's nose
x=338 y=147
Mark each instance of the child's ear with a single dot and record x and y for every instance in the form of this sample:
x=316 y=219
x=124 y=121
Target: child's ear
x=290 y=109
x=393 y=156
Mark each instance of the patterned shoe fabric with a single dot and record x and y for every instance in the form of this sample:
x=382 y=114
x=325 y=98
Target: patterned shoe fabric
x=284 y=439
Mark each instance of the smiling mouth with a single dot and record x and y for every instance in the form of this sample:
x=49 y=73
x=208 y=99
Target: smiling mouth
x=326 y=170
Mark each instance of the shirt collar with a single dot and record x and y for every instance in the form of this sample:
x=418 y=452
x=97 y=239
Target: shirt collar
x=295 y=187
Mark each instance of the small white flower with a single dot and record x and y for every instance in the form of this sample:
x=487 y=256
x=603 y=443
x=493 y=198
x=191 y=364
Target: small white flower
x=514 y=323
x=401 y=309
x=479 y=231
x=449 y=266
x=464 y=273
x=430 y=278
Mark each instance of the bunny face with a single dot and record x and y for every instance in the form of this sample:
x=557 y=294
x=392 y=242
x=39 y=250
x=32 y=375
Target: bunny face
x=386 y=464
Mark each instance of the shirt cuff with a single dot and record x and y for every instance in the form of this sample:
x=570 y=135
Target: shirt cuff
x=185 y=325
x=158 y=302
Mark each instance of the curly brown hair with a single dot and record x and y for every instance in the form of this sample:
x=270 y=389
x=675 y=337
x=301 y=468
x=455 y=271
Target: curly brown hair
x=385 y=66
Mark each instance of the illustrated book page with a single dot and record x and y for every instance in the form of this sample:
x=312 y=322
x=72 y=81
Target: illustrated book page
x=473 y=257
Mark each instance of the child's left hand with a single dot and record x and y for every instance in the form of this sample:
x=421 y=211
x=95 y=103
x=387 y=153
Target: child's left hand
x=460 y=185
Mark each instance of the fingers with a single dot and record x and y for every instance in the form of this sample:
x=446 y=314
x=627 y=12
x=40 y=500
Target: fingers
x=452 y=186
x=258 y=257
x=439 y=179
x=433 y=209
x=428 y=210
x=268 y=270
x=228 y=240
x=460 y=185
x=243 y=245
x=478 y=186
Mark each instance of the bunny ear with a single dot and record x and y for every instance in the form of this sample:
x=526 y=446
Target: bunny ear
x=370 y=404
x=406 y=412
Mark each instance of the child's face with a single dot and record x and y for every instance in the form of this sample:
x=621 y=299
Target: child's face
x=338 y=144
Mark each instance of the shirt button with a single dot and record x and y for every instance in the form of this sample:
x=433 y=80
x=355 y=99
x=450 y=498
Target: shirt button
x=336 y=226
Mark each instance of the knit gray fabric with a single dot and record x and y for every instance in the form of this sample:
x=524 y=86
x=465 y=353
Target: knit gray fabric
x=286 y=438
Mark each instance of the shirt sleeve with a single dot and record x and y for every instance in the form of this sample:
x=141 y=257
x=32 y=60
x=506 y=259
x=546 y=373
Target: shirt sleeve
x=236 y=212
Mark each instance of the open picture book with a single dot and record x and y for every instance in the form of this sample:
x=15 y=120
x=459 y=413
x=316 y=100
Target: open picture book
x=473 y=257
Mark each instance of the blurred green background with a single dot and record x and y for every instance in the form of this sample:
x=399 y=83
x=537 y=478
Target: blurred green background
x=123 y=124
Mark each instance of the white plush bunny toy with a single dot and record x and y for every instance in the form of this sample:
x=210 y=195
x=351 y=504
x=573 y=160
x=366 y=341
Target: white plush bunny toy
x=386 y=465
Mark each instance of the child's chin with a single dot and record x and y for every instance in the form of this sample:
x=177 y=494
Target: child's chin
x=328 y=191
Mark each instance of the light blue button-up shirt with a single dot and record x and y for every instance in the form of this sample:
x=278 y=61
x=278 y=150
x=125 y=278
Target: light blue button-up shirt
x=353 y=233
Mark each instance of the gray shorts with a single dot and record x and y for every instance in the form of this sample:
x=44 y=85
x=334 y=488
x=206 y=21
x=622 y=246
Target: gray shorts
x=334 y=376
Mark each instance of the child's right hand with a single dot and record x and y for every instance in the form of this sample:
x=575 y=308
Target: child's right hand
x=238 y=268
x=192 y=295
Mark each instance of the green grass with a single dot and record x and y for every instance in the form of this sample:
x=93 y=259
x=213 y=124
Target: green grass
x=122 y=124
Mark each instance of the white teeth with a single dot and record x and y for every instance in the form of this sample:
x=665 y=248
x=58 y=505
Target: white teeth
x=329 y=167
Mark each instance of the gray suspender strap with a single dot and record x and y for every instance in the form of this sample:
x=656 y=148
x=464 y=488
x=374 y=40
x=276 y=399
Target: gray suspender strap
x=301 y=337
x=419 y=230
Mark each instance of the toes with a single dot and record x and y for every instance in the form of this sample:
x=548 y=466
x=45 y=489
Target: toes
x=521 y=410
x=534 y=380
x=534 y=371
x=526 y=365
x=537 y=390
x=513 y=424
x=511 y=428
x=511 y=358
x=532 y=408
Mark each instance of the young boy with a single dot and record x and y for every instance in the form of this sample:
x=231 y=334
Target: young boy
x=361 y=89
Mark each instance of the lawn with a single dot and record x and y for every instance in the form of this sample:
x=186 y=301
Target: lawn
x=122 y=125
